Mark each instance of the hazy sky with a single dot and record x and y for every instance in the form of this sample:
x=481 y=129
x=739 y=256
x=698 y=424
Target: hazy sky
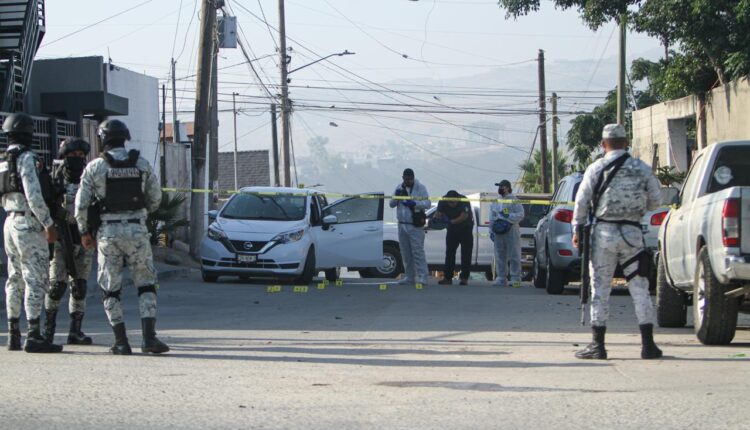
x=444 y=40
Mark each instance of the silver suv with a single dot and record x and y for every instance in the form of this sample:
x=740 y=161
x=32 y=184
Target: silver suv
x=557 y=262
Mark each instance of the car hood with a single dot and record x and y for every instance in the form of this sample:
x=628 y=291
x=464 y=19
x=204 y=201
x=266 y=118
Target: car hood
x=271 y=228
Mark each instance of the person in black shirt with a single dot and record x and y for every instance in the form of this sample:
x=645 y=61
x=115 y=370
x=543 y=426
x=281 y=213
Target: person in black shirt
x=457 y=213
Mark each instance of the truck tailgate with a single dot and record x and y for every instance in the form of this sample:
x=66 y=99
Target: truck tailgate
x=745 y=221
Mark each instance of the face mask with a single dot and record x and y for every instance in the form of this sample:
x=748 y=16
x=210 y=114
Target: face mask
x=73 y=169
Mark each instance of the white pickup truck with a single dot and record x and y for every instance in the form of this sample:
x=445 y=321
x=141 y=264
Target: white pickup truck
x=704 y=245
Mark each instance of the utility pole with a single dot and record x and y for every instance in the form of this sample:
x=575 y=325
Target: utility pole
x=213 y=142
x=163 y=161
x=543 y=123
x=175 y=127
x=198 y=156
x=286 y=176
x=621 y=74
x=555 y=120
x=275 y=146
x=234 y=112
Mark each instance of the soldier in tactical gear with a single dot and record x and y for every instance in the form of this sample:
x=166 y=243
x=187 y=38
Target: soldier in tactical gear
x=126 y=189
x=615 y=193
x=28 y=230
x=66 y=176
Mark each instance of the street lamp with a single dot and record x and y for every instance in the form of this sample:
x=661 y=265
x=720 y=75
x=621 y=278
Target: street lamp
x=338 y=54
x=285 y=105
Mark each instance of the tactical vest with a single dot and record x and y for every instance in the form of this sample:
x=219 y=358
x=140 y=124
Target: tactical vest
x=10 y=178
x=625 y=198
x=124 y=190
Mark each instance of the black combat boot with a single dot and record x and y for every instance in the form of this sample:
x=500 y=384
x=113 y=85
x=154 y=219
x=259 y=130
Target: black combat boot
x=76 y=336
x=150 y=342
x=50 y=324
x=649 y=350
x=595 y=350
x=36 y=343
x=121 y=346
x=14 y=335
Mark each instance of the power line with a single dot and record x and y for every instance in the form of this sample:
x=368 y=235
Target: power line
x=96 y=23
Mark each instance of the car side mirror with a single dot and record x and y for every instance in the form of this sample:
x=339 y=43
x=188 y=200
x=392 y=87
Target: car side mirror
x=330 y=219
x=212 y=216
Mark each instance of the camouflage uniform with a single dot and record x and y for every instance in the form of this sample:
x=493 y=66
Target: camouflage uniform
x=58 y=271
x=25 y=242
x=122 y=238
x=633 y=191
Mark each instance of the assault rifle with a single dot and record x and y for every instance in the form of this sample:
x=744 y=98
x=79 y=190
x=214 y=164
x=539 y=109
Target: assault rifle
x=584 y=250
x=66 y=240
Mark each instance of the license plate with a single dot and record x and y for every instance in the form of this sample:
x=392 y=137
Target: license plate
x=247 y=258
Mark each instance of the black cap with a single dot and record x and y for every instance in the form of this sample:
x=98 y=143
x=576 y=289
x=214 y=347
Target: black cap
x=452 y=193
x=504 y=183
x=408 y=173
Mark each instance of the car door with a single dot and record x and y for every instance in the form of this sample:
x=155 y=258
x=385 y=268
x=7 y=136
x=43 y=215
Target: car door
x=434 y=242
x=677 y=235
x=356 y=239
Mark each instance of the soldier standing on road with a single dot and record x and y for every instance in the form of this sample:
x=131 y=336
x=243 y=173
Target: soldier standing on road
x=67 y=177
x=507 y=244
x=411 y=221
x=617 y=204
x=125 y=187
x=28 y=222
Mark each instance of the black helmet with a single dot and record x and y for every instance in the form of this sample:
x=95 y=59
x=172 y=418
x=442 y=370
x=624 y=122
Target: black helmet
x=113 y=129
x=71 y=144
x=18 y=124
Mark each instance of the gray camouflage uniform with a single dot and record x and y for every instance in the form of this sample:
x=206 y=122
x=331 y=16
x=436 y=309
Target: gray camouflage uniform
x=119 y=241
x=25 y=241
x=58 y=271
x=633 y=191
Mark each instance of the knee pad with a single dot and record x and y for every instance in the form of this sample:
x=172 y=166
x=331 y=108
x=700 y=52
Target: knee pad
x=57 y=290
x=146 y=289
x=78 y=289
x=110 y=295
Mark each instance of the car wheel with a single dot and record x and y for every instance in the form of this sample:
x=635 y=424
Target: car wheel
x=671 y=304
x=208 y=277
x=538 y=275
x=309 y=270
x=333 y=274
x=392 y=264
x=555 y=279
x=715 y=314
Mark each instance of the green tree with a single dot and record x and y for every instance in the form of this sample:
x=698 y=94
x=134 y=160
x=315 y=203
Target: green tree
x=531 y=172
x=586 y=131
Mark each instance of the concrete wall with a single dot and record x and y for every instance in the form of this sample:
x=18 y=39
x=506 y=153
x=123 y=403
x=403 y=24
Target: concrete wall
x=62 y=75
x=725 y=115
x=142 y=92
x=728 y=112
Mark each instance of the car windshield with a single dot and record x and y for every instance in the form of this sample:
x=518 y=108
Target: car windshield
x=731 y=169
x=262 y=207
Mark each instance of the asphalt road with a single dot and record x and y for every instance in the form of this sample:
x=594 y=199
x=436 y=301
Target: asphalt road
x=356 y=356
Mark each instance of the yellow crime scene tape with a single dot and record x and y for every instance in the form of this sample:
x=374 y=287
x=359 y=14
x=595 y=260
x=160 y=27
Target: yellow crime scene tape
x=366 y=196
x=323 y=285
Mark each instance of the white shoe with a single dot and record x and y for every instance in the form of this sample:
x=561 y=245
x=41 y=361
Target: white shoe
x=499 y=284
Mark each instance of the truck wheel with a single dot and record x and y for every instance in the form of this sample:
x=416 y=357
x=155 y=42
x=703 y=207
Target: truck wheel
x=392 y=264
x=715 y=314
x=208 y=277
x=309 y=271
x=555 y=279
x=671 y=304
x=332 y=274
x=539 y=275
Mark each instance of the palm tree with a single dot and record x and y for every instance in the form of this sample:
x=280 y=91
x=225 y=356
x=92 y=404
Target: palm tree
x=531 y=172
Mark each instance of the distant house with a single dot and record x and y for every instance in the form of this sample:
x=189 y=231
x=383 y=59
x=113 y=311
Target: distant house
x=253 y=169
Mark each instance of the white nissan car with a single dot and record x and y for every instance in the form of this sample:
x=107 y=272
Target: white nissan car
x=291 y=233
